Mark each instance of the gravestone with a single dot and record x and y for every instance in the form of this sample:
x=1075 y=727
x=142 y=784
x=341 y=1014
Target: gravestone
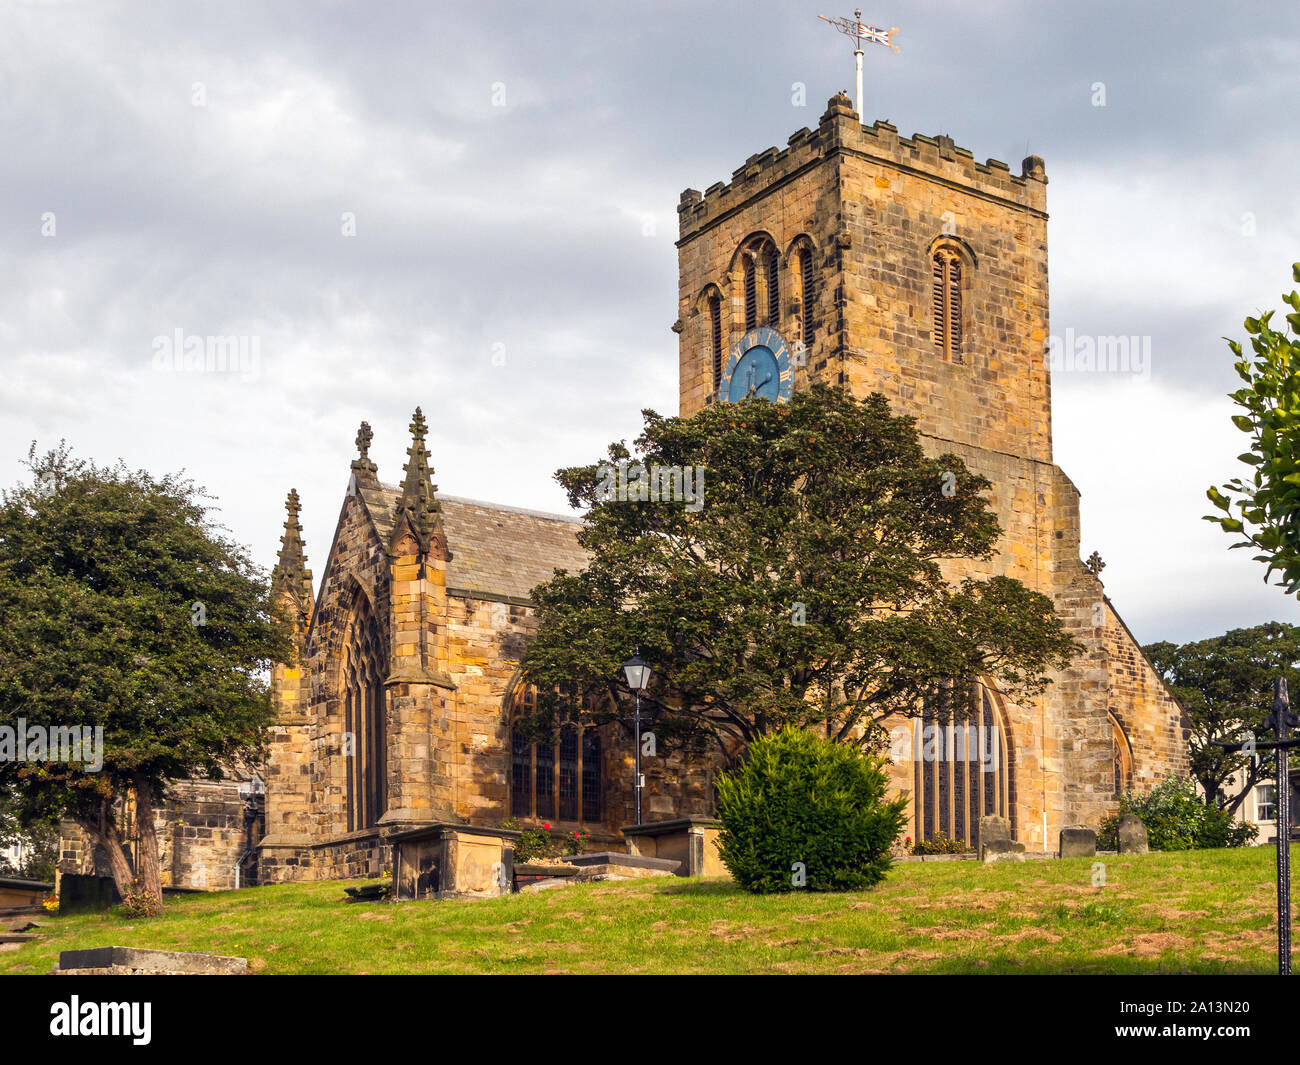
x=1132 y=835
x=1001 y=850
x=1078 y=843
x=993 y=829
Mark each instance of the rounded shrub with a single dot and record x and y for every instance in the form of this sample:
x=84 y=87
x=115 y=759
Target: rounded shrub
x=799 y=798
x=1177 y=819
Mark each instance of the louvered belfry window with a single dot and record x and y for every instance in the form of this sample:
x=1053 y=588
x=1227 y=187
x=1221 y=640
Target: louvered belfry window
x=715 y=326
x=773 y=287
x=806 y=284
x=751 y=294
x=946 y=303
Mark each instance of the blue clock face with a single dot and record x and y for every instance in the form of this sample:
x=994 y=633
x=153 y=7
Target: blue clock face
x=759 y=366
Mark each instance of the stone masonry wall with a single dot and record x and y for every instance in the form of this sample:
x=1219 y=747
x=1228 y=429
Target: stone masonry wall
x=485 y=642
x=204 y=828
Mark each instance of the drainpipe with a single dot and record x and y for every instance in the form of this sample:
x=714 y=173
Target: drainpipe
x=239 y=864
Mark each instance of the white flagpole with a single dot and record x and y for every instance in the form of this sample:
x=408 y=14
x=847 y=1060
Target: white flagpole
x=857 y=55
x=859 y=33
x=858 y=102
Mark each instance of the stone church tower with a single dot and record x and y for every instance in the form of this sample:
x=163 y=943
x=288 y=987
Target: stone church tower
x=902 y=266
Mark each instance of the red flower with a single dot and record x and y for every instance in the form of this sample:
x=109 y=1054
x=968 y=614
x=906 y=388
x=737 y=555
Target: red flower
x=546 y=825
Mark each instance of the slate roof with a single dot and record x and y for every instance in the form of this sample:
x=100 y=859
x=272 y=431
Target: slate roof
x=497 y=551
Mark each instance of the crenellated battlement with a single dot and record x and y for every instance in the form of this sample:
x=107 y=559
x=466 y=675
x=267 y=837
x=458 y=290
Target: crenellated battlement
x=840 y=132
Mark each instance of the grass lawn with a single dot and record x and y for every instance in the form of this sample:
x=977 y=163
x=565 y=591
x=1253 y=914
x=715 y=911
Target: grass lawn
x=1187 y=912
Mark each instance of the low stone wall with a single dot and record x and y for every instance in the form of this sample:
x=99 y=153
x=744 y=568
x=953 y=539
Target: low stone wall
x=357 y=854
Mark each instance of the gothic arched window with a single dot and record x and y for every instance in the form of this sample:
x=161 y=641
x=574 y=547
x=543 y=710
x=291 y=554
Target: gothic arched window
x=751 y=294
x=946 y=269
x=761 y=282
x=365 y=746
x=556 y=778
x=770 y=261
x=1122 y=757
x=962 y=771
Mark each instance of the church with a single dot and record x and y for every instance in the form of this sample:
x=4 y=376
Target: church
x=854 y=257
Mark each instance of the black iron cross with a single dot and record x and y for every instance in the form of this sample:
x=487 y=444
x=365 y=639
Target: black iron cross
x=1281 y=721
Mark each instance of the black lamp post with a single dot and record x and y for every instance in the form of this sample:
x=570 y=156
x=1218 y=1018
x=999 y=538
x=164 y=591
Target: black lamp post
x=638 y=676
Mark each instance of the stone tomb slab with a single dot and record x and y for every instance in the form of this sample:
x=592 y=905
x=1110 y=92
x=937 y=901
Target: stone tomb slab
x=617 y=863
x=125 y=961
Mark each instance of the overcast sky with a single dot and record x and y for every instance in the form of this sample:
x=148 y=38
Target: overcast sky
x=512 y=175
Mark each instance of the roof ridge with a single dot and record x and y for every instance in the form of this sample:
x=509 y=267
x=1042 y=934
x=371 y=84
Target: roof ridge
x=486 y=505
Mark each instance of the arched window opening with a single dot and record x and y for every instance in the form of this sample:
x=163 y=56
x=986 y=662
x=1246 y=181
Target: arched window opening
x=365 y=721
x=807 y=297
x=751 y=294
x=554 y=779
x=760 y=264
x=770 y=260
x=1122 y=756
x=961 y=772
x=715 y=336
x=946 y=302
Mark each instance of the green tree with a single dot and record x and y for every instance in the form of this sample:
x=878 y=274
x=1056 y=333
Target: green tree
x=1268 y=504
x=124 y=608
x=1177 y=819
x=805 y=588
x=1225 y=684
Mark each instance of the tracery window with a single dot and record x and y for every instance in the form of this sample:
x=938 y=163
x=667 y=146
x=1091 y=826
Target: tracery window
x=557 y=779
x=962 y=772
x=365 y=720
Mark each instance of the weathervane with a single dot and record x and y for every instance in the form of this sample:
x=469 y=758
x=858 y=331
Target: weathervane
x=854 y=28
